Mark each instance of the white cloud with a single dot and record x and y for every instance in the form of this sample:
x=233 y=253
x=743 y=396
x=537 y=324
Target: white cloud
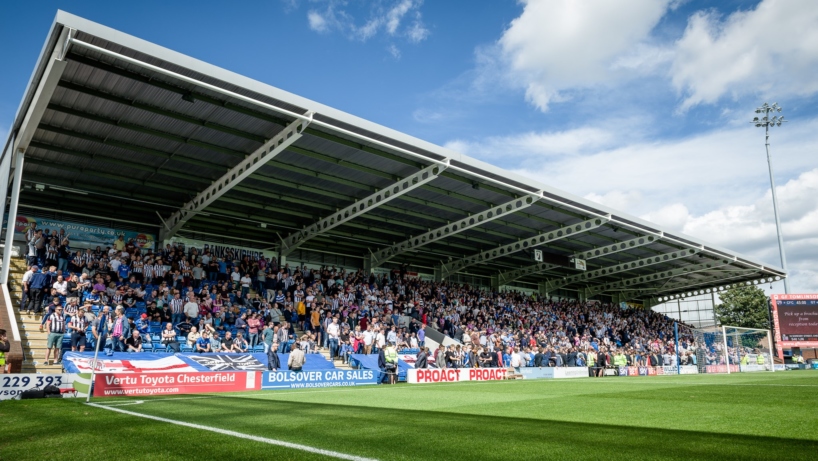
x=558 y=45
x=394 y=51
x=391 y=18
x=772 y=49
x=711 y=185
x=750 y=228
x=317 y=21
x=558 y=50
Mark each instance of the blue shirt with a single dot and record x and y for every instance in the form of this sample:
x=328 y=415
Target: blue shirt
x=142 y=326
x=202 y=342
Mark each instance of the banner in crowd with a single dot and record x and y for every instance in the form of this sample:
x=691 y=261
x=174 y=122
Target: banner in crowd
x=229 y=362
x=314 y=379
x=129 y=384
x=753 y=367
x=795 y=321
x=219 y=250
x=449 y=375
x=123 y=362
x=721 y=368
x=147 y=362
x=654 y=371
x=77 y=233
x=12 y=385
x=553 y=372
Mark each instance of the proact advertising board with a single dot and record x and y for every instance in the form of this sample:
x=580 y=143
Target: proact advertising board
x=450 y=375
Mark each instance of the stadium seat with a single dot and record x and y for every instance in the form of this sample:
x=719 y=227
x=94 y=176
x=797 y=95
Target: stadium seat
x=186 y=348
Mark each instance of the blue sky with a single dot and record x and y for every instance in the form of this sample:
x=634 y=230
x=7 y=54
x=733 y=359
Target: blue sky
x=642 y=105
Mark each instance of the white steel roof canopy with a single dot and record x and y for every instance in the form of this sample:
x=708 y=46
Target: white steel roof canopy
x=189 y=148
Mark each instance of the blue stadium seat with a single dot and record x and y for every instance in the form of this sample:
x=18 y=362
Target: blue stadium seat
x=259 y=348
x=186 y=348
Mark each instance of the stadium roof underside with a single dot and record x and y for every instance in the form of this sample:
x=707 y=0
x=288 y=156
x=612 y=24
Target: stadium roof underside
x=120 y=128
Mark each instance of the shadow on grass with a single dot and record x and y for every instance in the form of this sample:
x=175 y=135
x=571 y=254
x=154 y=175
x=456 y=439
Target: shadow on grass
x=418 y=434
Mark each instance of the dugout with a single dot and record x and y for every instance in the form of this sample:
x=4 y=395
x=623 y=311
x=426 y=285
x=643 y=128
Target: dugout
x=189 y=152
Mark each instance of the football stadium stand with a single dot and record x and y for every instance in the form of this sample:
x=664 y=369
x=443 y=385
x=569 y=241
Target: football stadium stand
x=142 y=173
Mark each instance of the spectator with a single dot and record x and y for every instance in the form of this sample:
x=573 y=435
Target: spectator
x=55 y=325
x=169 y=338
x=5 y=346
x=267 y=336
x=227 y=342
x=120 y=331
x=191 y=310
x=143 y=324
x=203 y=343
x=296 y=360
x=334 y=334
x=253 y=325
x=36 y=287
x=422 y=360
x=134 y=342
x=78 y=325
x=273 y=362
x=193 y=336
x=240 y=344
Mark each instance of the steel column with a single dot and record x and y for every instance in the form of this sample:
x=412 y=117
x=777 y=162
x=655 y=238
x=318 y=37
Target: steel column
x=623 y=267
x=235 y=175
x=362 y=206
x=385 y=254
x=530 y=242
x=15 y=201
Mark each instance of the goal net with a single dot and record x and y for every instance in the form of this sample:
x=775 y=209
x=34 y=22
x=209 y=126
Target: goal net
x=726 y=349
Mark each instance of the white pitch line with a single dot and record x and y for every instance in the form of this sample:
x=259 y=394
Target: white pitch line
x=650 y=381
x=255 y=438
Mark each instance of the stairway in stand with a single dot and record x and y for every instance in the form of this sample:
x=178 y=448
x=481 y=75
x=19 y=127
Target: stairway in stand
x=32 y=339
x=325 y=352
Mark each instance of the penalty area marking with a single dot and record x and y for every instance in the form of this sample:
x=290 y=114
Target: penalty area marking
x=255 y=438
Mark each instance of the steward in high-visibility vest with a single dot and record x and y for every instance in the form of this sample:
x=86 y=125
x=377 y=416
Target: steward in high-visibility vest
x=744 y=360
x=760 y=359
x=591 y=359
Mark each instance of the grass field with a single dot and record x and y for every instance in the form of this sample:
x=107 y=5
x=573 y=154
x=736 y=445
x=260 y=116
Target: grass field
x=740 y=416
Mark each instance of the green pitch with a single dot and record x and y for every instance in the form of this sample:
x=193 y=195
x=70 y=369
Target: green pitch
x=747 y=416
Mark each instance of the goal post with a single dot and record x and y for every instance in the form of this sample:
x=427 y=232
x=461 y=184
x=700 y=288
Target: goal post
x=729 y=349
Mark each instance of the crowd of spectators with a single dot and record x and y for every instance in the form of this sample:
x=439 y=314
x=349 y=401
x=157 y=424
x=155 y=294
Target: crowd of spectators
x=189 y=299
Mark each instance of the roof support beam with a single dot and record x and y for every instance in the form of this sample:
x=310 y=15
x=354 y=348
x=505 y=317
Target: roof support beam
x=417 y=241
x=235 y=175
x=530 y=242
x=622 y=267
x=509 y=276
x=412 y=182
x=634 y=281
x=48 y=83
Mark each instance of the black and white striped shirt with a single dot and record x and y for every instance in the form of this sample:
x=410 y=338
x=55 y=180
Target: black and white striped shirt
x=51 y=252
x=57 y=323
x=176 y=305
x=80 y=322
x=148 y=269
x=136 y=267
